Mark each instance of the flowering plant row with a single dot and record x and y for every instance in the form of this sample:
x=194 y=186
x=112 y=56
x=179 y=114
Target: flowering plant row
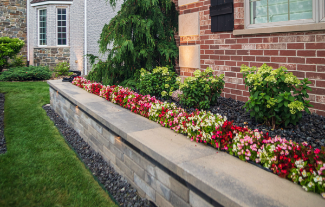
x=299 y=163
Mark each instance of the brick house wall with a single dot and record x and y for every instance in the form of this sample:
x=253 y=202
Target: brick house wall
x=302 y=53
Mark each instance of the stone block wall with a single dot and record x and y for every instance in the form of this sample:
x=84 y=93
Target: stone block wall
x=303 y=53
x=13 y=21
x=152 y=180
x=51 y=56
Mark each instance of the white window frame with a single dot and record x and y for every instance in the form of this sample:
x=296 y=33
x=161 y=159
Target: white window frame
x=318 y=16
x=38 y=26
x=56 y=26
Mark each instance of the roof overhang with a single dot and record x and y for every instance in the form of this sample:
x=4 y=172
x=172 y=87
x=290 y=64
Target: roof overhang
x=51 y=2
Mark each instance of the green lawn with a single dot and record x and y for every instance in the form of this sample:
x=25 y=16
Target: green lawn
x=39 y=169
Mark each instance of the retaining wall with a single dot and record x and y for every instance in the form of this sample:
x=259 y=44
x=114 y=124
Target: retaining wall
x=165 y=167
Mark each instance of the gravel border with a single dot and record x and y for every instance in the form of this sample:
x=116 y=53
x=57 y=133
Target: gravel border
x=117 y=186
x=3 y=147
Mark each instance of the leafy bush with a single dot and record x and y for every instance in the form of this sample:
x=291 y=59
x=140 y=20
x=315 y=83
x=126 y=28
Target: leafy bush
x=161 y=82
x=62 y=69
x=26 y=73
x=8 y=49
x=271 y=99
x=17 y=61
x=202 y=90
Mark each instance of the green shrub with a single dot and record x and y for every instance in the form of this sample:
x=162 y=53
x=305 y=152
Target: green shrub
x=271 y=99
x=17 y=61
x=8 y=49
x=161 y=82
x=202 y=90
x=26 y=73
x=62 y=69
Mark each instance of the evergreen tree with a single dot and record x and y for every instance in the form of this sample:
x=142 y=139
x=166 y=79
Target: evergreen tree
x=141 y=36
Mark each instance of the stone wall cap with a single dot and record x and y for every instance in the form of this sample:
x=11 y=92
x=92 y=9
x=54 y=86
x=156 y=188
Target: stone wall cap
x=224 y=178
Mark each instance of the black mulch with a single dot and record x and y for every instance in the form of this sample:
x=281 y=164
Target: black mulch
x=3 y=148
x=114 y=183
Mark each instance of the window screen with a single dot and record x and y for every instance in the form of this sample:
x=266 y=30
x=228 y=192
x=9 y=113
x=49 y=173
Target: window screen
x=265 y=11
x=62 y=26
x=42 y=27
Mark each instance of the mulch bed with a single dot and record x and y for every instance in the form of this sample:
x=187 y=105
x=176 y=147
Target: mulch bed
x=3 y=147
x=114 y=183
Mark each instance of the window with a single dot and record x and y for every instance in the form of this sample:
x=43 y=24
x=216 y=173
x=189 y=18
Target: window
x=62 y=26
x=269 y=13
x=42 y=27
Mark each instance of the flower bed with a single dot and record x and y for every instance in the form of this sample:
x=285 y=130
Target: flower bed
x=299 y=163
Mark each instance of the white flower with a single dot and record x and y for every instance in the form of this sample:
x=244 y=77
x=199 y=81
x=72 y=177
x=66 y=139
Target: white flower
x=305 y=188
x=318 y=179
x=304 y=173
x=310 y=184
x=300 y=179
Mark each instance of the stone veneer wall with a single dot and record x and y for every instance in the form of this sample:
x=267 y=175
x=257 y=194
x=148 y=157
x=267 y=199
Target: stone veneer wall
x=13 y=20
x=51 y=56
x=303 y=53
x=152 y=180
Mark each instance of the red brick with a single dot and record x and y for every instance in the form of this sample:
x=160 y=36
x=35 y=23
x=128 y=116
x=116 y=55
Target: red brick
x=237 y=92
x=226 y=90
x=205 y=47
x=299 y=74
x=296 y=60
x=242 y=98
x=307 y=53
x=245 y=93
x=320 y=83
x=196 y=10
x=242 y=52
x=187 y=11
x=256 y=52
x=230 y=52
x=239 y=63
x=204 y=56
x=306 y=38
x=224 y=36
x=236 y=57
x=199 y=4
x=263 y=46
x=248 y=58
x=209 y=42
x=251 y=64
x=320 y=76
x=296 y=46
x=322 y=113
x=235 y=69
x=321 y=53
x=190 y=6
x=279 y=59
x=230 y=41
x=224 y=57
x=230 y=85
x=241 y=87
x=270 y=39
x=320 y=68
x=242 y=40
x=306 y=67
x=271 y=52
x=255 y=40
x=318 y=106
x=219 y=62
x=315 y=45
x=230 y=96
x=288 y=52
x=235 y=46
x=230 y=74
x=214 y=57
x=219 y=52
x=202 y=52
x=214 y=47
x=289 y=66
x=230 y=63
x=318 y=91
x=263 y=59
x=273 y=65
x=315 y=60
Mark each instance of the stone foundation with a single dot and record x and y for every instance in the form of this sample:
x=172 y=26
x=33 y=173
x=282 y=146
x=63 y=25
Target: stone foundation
x=51 y=56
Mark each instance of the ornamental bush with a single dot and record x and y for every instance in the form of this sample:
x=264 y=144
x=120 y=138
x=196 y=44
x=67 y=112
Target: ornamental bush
x=26 y=73
x=202 y=90
x=9 y=48
x=161 y=82
x=62 y=69
x=271 y=99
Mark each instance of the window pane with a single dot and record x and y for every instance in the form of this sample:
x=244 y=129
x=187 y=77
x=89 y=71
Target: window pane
x=42 y=27
x=63 y=23
x=301 y=9
x=64 y=17
x=59 y=11
x=64 y=41
x=63 y=11
x=59 y=17
x=62 y=27
x=264 y=11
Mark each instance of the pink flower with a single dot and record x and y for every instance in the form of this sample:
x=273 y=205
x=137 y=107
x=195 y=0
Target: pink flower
x=317 y=151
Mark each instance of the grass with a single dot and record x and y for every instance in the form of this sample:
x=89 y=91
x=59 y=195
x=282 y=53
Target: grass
x=39 y=169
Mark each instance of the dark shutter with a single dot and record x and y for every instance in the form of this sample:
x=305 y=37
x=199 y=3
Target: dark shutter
x=222 y=15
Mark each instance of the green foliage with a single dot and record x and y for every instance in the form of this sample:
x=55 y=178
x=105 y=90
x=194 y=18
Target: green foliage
x=17 y=61
x=141 y=35
x=161 y=82
x=202 y=90
x=270 y=99
x=26 y=73
x=62 y=69
x=8 y=49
